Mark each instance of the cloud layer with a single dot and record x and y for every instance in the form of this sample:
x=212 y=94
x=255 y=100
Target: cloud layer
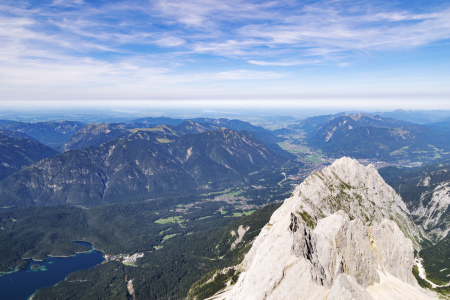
x=213 y=46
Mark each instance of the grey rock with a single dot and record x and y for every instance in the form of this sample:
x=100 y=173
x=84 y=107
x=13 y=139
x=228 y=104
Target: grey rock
x=334 y=240
x=346 y=288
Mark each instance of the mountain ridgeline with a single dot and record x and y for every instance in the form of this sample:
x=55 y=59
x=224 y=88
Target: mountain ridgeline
x=138 y=167
x=94 y=135
x=166 y=128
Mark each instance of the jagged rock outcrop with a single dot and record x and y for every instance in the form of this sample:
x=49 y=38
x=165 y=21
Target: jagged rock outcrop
x=433 y=210
x=340 y=236
x=358 y=190
x=426 y=192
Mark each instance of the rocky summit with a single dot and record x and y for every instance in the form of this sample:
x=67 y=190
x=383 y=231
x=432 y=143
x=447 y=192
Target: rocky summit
x=343 y=234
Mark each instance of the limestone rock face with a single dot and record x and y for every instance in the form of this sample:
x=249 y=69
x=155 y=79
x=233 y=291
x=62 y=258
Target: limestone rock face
x=396 y=260
x=345 y=287
x=433 y=209
x=337 y=238
x=358 y=190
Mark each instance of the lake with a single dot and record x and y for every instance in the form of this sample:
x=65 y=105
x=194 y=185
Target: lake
x=22 y=284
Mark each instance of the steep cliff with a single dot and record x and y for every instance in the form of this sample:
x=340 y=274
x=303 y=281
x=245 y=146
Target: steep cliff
x=343 y=234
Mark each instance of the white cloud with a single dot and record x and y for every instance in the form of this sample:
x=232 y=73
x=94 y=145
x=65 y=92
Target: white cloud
x=113 y=45
x=206 y=13
x=254 y=31
x=333 y=29
x=67 y=2
x=170 y=41
x=344 y=64
x=228 y=48
x=245 y=75
x=283 y=63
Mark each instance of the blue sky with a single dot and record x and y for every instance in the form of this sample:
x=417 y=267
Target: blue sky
x=350 y=54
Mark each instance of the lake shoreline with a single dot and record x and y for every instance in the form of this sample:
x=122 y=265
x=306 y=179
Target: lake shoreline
x=23 y=284
x=14 y=269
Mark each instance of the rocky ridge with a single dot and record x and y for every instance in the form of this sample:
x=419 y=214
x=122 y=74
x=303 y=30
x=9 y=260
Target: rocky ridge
x=426 y=192
x=357 y=190
x=434 y=211
x=341 y=235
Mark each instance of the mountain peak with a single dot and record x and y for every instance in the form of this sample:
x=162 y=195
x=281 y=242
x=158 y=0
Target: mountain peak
x=343 y=234
x=345 y=163
x=358 y=190
x=350 y=169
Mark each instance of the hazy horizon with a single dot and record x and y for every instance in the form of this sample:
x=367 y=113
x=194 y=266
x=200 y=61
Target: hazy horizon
x=122 y=114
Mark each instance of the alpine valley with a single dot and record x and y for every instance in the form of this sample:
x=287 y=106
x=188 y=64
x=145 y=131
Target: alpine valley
x=342 y=206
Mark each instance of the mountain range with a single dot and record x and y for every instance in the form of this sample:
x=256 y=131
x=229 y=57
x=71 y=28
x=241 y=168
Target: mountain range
x=138 y=167
x=375 y=137
x=345 y=233
x=97 y=134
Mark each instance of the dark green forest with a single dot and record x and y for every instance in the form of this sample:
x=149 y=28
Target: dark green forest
x=167 y=273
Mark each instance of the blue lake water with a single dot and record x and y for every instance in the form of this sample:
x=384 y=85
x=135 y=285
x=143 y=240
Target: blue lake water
x=22 y=284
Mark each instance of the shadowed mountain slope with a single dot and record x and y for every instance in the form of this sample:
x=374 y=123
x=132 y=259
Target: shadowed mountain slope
x=16 y=153
x=223 y=156
x=53 y=134
x=137 y=167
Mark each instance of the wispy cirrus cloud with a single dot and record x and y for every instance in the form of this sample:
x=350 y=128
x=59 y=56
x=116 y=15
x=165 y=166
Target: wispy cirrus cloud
x=232 y=29
x=67 y=2
x=333 y=29
x=144 y=43
x=170 y=41
x=283 y=63
x=209 y=13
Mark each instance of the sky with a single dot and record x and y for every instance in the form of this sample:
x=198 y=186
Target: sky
x=235 y=53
